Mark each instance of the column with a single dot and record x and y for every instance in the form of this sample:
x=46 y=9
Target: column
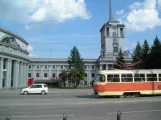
x=57 y=71
x=1 y=71
x=20 y=74
x=33 y=71
x=41 y=71
x=8 y=80
x=16 y=74
x=100 y=66
x=106 y=66
x=26 y=74
x=89 y=74
x=49 y=75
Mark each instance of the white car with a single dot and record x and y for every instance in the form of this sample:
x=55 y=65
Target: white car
x=36 y=88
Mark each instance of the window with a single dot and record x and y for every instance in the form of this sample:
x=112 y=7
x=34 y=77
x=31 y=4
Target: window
x=104 y=67
x=113 y=78
x=45 y=86
x=100 y=78
x=29 y=66
x=151 y=77
x=38 y=86
x=61 y=66
x=85 y=75
x=53 y=75
x=85 y=67
x=33 y=86
x=37 y=75
x=46 y=67
x=53 y=66
x=92 y=66
x=139 y=77
x=45 y=75
x=93 y=75
x=29 y=74
x=115 y=49
x=159 y=77
x=121 y=32
x=107 y=30
x=37 y=66
x=126 y=78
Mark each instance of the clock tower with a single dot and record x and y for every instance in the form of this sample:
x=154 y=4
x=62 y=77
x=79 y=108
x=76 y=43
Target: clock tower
x=112 y=38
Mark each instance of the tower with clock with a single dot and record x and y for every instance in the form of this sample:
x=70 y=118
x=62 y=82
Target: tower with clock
x=112 y=37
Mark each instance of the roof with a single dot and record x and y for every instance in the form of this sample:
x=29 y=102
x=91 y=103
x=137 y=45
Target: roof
x=57 y=60
x=139 y=71
x=12 y=34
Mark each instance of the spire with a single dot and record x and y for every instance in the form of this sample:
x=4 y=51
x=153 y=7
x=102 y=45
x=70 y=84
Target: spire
x=110 y=10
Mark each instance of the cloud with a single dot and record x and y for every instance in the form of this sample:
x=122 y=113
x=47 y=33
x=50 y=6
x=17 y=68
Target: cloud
x=27 y=27
x=120 y=12
x=31 y=51
x=142 y=16
x=26 y=11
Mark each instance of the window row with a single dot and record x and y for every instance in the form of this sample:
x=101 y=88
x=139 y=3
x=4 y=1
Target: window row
x=54 y=66
x=130 y=77
x=53 y=75
x=44 y=75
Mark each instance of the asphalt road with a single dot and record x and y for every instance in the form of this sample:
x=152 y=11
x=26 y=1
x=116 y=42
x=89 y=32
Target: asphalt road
x=78 y=105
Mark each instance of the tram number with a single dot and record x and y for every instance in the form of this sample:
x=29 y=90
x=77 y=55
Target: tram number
x=159 y=86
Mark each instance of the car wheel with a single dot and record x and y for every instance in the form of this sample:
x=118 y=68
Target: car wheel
x=25 y=92
x=43 y=92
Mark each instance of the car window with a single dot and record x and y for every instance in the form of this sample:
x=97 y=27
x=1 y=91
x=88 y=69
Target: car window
x=45 y=86
x=38 y=86
x=33 y=86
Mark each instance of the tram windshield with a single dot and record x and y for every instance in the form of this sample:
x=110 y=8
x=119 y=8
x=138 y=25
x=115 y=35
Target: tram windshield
x=100 y=78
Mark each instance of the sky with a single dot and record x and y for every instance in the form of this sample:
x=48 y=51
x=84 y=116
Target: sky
x=53 y=27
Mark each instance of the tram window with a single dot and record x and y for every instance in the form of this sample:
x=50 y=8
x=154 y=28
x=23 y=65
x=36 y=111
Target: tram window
x=139 y=77
x=126 y=78
x=113 y=78
x=100 y=78
x=151 y=77
x=159 y=77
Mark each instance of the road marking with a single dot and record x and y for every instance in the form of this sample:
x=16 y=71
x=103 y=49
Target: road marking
x=71 y=115
x=134 y=112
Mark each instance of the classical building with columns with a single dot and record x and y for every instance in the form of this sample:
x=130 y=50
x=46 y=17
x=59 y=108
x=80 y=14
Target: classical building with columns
x=16 y=67
x=13 y=60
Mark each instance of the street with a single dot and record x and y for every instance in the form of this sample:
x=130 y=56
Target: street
x=79 y=104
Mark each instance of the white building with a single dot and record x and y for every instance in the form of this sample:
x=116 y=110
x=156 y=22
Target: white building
x=112 y=38
x=13 y=60
x=16 y=68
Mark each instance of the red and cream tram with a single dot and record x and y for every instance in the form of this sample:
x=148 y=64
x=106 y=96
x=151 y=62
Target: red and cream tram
x=123 y=83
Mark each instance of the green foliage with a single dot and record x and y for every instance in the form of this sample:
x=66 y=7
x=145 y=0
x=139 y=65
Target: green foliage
x=64 y=76
x=155 y=55
x=151 y=57
x=76 y=67
x=145 y=55
x=137 y=54
x=120 y=59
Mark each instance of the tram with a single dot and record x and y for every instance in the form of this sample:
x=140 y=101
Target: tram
x=122 y=83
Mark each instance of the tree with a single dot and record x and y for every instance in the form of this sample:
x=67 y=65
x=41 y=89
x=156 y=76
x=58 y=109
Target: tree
x=120 y=59
x=137 y=55
x=145 y=55
x=155 y=55
x=64 y=76
x=76 y=64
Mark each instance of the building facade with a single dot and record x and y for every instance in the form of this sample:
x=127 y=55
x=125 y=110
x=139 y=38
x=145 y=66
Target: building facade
x=13 y=60
x=112 y=38
x=16 y=68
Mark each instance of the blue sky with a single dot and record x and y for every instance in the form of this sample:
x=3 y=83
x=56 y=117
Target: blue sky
x=52 y=34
